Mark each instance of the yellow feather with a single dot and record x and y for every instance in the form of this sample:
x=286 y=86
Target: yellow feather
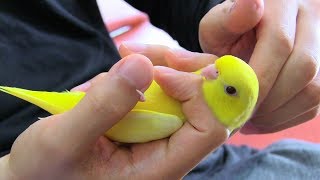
x=160 y=115
x=53 y=102
x=232 y=110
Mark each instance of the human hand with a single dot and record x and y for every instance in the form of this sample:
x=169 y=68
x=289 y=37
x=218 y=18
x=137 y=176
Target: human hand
x=72 y=145
x=281 y=40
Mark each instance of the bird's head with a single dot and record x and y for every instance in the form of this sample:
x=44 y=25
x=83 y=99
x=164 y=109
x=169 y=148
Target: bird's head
x=230 y=88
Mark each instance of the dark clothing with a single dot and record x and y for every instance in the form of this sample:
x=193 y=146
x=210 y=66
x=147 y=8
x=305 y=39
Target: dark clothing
x=47 y=45
x=179 y=18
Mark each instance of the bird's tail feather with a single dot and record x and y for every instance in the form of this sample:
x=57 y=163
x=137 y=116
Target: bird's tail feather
x=53 y=102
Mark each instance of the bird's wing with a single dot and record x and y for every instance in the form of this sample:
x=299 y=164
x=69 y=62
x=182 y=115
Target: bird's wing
x=142 y=126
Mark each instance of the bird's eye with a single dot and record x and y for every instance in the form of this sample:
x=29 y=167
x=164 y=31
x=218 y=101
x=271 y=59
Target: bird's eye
x=230 y=90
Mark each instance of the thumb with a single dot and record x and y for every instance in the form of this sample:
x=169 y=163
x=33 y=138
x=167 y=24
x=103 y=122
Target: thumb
x=109 y=98
x=225 y=23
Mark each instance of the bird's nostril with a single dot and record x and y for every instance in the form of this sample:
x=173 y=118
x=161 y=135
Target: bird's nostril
x=210 y=72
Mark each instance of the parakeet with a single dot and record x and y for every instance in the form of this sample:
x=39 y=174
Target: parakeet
x=230 y=88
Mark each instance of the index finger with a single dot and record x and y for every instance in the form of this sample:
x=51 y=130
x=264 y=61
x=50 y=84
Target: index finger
x=275 y=40
x=179 y=59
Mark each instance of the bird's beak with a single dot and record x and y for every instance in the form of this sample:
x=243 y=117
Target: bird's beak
x=210 y=72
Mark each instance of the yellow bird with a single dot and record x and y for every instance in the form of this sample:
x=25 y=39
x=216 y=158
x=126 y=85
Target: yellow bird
x=230 y=88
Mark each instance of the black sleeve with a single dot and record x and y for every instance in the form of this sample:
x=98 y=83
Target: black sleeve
x=180 y=18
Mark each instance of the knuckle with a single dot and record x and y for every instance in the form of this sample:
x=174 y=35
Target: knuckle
x=98 y=77
x=219 y=135
x=96 y=103
x=48 y=143
x=286 y=42
x=184 y=88
x=177 y=64
x=101 y=75
x=110 y=102
x=116 y=111
x=312 y=93
x=309 y=65
x=191 y=89
x=50 y=146
x=265 y=85
x=313 y=113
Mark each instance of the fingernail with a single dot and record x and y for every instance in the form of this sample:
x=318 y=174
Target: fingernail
x=133 y=71
x=82 y=87
x=164 y=70
x=249 y=128
x=182 y=53
x=135 y=47
x=228 y=133
x=142 y=98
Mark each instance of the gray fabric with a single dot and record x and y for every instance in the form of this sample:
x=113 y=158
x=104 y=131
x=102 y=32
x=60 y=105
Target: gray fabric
x=286 y=159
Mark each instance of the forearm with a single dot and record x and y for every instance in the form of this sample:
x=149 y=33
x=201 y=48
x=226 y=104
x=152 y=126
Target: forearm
x=180 y=18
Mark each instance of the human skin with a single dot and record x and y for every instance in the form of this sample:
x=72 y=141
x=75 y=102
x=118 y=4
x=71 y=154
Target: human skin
x=72 y=146
x=280 y=39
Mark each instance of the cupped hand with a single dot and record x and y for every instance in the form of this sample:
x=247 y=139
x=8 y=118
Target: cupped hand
x=72 y=145
x=280 y=39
